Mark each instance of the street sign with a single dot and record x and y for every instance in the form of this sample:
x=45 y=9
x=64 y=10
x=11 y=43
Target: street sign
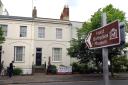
x=108 y=35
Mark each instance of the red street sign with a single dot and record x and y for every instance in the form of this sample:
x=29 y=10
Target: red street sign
x=105 y=36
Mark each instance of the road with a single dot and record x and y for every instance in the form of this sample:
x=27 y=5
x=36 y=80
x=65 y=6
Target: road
x=112 y=82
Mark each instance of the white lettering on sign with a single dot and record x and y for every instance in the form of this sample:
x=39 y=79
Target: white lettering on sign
x=101 y=37
x=100 y=32
x=101 y=42
x=105 y=36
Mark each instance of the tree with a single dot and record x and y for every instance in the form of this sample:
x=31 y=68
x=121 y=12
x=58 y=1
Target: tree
x=2 y=38
x=79 y=49
x=1 y=41
x=120 y=63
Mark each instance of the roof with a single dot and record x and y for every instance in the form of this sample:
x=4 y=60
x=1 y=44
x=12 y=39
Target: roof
x=31 y=19
x=39 y=19
x=15 y=17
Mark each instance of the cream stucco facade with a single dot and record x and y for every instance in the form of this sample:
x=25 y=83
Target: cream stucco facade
x=31 y=42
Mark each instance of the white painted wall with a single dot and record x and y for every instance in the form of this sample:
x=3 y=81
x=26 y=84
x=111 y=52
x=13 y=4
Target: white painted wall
x=31 y=42
x=50 y=42
x=13 y=39
x=75 y=26
x=47 y=51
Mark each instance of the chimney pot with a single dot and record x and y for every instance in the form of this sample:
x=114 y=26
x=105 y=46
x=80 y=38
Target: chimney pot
x=65 y=13
x=34 y=12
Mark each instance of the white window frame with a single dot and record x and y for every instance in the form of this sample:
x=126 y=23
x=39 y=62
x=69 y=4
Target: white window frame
x=41 y=32
x=23 y=31
x=4 y=29
x=59 y=33
x=56 y=55
x=18 y=55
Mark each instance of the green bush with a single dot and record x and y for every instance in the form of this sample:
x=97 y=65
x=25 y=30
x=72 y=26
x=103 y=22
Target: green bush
x=120 y=64
x=17 y=71
x=83 y=68
x=51 y=69
x=75 y=67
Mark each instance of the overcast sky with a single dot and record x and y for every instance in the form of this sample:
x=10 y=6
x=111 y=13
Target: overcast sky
x=80 y=10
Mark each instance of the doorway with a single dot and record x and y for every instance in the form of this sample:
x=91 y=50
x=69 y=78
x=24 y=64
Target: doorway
x=38 y=56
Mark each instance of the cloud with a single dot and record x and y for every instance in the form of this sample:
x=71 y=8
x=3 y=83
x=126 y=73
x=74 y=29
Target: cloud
x=80 y=10
x=49 y=8
x=72 y=3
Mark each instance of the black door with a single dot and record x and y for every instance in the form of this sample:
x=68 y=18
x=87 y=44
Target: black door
x=38 y=56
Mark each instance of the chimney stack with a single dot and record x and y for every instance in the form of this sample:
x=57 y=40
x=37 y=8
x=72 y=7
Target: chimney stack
x=65 y=13
x=34 y=12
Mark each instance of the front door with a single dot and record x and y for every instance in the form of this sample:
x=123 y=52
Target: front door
x=38 y=56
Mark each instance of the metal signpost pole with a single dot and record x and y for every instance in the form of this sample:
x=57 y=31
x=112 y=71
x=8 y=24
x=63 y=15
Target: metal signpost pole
x=105 y=56
x=104 y=37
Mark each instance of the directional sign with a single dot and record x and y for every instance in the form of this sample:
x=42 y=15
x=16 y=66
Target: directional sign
x=105 y=36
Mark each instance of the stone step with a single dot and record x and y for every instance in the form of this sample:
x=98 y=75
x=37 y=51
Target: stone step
x=38 y=69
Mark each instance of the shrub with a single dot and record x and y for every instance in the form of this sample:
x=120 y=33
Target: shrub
x=51 y=69
x=17 y=71
x=93 y=70
x=75 y=67
x=1 y=66
x=83 y=68
x=120 y=64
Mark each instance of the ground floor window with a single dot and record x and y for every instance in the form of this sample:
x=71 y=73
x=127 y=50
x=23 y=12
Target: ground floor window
x=56 y=54
x=19 y=53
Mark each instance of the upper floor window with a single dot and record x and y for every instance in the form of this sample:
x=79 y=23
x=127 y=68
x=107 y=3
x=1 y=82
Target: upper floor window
x=4 y=29
x=23 y=31
x=19 y=53
x=41 y=32
x=58 y=33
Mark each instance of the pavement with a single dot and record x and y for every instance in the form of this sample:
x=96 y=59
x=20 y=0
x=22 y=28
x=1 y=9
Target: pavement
x=43 y=78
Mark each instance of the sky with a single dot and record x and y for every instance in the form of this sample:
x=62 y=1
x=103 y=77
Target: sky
x=80 y=10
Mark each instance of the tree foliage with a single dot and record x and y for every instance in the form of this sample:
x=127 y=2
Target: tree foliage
x=78 y=47
x=120 y=64
x=2 y=38
x=95 y=21
x=1 y=41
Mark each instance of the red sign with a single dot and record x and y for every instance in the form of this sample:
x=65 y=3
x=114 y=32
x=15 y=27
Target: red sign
x=105 y=36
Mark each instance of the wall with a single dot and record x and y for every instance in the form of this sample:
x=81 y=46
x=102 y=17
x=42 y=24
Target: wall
x=50 y=42
x=13 y=39
x=31 y=42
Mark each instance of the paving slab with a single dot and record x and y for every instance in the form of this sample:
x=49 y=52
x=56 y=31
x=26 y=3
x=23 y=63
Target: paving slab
x=41 y=77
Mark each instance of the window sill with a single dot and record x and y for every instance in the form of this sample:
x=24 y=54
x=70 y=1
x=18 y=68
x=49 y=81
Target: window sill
x=18 y=61
x=56 y=61
x=58 y=38
x=40 y=38
x=23 y=37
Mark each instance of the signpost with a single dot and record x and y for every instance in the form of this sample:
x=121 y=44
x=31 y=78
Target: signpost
x=105 y=55
x=105 y=36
